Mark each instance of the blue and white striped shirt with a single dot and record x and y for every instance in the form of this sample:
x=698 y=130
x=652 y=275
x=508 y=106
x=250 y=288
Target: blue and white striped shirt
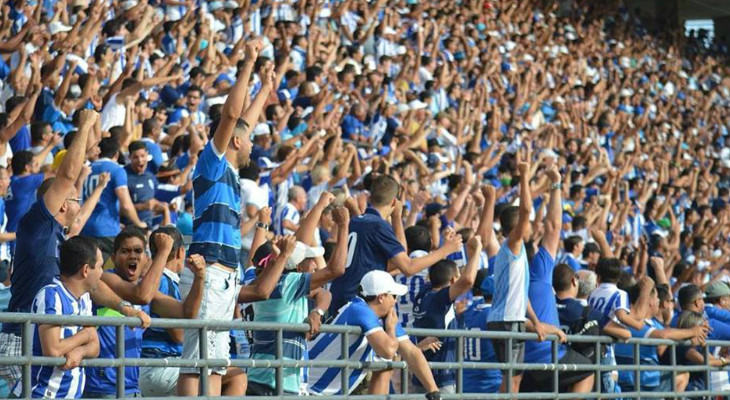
x=48 y=381
x=327 y=346
x=288 y=213
x=217 y=198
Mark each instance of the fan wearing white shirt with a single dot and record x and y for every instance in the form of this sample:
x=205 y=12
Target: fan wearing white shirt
x=287 y=221
x=253 y=199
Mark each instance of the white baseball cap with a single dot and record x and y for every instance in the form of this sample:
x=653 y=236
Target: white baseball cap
x=302 y=252
x=379 y=282
x=56 y=27
x=261 y=129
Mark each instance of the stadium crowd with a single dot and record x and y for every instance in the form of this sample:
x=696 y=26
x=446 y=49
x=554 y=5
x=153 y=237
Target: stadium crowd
x=554 y=167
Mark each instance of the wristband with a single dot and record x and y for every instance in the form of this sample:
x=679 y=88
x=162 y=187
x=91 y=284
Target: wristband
x=262 y=226
x=318 y=311
x=556 y=186
x=433 y=395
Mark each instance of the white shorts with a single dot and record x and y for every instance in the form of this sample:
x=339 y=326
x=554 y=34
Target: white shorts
x=158 y=382
x=219 y=300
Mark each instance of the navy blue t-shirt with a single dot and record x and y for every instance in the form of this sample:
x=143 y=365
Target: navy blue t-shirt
x=479 y=350
x=20 y=197
x=141 y=188
x=36 y=259
x=571 y=312
x=434 y=310
x=371 y=244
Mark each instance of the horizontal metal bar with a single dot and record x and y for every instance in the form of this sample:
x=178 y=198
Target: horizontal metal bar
x=487 y=396
x=266 y=326
x=251 y=363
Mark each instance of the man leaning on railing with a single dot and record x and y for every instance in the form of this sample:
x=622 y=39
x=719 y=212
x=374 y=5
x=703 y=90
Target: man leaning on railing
x=41 y=231
x=81 y=269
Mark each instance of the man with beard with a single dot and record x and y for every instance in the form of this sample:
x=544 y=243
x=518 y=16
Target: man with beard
x=216 y=236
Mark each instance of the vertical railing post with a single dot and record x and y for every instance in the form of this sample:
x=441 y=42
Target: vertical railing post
x=673 y=363
x=637 y=364
x=707 y=368
x=404 y=381
x=26 y=332
x=203 y=355
x=599 y=374
x=460 y=360
x=345 y=373
x=556 y=374
x=120 y=357
x=510 y=367
x=280 y=358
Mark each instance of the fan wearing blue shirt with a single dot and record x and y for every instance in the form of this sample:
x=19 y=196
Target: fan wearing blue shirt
x=23 y=186
x=434 y=309
x=543 y=300
x=353 y=126
x=374 y=312
x=151 y=131
x=480 y=349
x=217 y=222
x=656 y=381
x=573 y=246
x=104 y=221
x=129 y=260
x=39 y=234
x=142 y=184
x=81 y=268
x=374 y=244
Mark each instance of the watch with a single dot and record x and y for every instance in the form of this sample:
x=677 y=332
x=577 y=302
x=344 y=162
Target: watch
x=262 y=226
x=319 y=311
x=125 y=303
x=556 y=186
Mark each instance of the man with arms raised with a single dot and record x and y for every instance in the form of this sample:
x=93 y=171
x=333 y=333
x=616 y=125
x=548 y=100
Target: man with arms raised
x=40 y=232
x=216 y=236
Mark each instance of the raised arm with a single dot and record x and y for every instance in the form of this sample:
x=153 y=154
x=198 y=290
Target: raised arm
x=88 y=207
x=486 y=222
x=409 y=266
x=336 y=265
x=308 y=224
x=233 y=106
x=520 y=231
x=265 y=283
x=63 y=184
x=168 y=307
x=469 y=274
x=554 y=222
x=144 y=291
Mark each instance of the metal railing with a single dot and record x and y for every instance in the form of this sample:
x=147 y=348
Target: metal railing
x=27 y=360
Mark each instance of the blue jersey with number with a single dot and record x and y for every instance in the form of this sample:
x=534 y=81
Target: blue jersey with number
x=479 y=350
x=104 y=220
x=370 y=245
x=434 y=309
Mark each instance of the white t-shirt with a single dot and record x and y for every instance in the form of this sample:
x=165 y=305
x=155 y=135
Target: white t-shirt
x=112 y=114
x=255 y=195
